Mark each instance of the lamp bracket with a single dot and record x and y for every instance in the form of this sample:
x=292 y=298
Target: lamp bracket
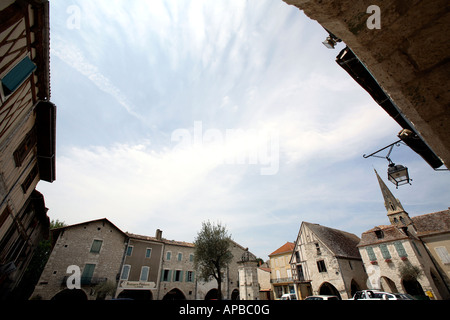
x=390 y=146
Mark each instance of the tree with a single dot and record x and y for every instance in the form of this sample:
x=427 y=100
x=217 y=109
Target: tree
x=212 y=253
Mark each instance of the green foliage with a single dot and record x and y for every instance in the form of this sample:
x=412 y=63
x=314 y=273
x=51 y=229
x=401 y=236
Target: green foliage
x=212 y=252
x=410 y=272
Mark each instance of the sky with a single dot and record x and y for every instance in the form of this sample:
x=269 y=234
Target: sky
x=172 y=113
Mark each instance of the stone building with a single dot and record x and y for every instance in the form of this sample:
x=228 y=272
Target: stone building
x=27 y=135
x=178 y=280
x=248 y=277
x=134 y=266
x=418 y=244
x=96 y=248
x=141 y=267
x=326 y=261
x=281 y=274
x=230 y=285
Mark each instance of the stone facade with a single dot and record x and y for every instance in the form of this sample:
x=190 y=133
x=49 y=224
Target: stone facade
x=138 y=267
x=95 y=246
x=405 y=244
x=326 y=261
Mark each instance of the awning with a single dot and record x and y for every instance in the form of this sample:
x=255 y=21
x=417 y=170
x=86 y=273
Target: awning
x=46 y=140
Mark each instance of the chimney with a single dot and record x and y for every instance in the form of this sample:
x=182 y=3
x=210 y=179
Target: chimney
x=158 y=234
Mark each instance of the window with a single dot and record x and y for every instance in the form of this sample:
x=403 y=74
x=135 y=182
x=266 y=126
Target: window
x=379 y=234
x=189 y=276
x=400 y=249
x=318 y=249
x=297 y=256
x=87 y=274
x=129 y=251
x=5 y=214
x=300 y=275
x=14 y=78
x=443 y=254
x=168 y=255
x=191 y=257
x=148 y=252
x=29 y=179
x=165 y=276
x=125 y=272
x=385 y=251
x=371 y=254
x=96 y=245
x=178 y=276
x=144 y=273
x=180 y=256
x=321 y=266
x=25 y=147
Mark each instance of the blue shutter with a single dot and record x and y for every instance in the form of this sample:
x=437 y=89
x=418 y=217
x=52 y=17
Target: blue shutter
x=17 y=75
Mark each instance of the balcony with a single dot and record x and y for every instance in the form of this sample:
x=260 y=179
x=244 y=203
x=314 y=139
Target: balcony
x=86 y=281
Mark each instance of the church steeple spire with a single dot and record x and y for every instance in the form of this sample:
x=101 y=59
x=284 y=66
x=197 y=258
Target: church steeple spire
x=395 y=212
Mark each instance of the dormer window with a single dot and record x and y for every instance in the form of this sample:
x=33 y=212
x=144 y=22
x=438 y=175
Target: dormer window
x=379 y=234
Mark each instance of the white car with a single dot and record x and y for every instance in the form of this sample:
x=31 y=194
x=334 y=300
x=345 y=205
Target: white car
x=288 y=296
x=322 y=297
x=380 y=295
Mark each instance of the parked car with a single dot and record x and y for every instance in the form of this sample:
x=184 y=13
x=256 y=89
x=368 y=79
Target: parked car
x=322 y=297
x=288 y=296
x=380 y=295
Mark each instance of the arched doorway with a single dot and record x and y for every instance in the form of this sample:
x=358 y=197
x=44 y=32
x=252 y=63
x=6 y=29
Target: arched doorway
x=414 y=288
x=70 y=295
x=212 y=294
x=136 y=294
x=235 y=294
x=388 y=285
x=329 y=290
x=354 y=287
x=174 y=294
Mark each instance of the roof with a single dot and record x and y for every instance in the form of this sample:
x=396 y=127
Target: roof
x=171 y=242
x=432 y=223
x=389 y=232
x=341 y=243
x=288 y=247
x=426 y=225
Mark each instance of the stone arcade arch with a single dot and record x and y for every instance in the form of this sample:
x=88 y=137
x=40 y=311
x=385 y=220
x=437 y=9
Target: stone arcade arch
x=135 y=294
x=212 y=294
x=354 y=287
x=388 y=285
x=327 y=288
x=174 y=294
x=71 y=295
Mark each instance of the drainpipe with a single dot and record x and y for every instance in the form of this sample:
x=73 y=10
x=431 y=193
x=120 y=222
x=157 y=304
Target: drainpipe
x=121 y=264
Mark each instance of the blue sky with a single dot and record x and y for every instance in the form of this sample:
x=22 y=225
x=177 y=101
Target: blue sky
x=171 y=113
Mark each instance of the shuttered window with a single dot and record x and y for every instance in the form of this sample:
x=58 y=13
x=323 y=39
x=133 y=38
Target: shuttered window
x=96 y=246
x=385 y=251
x=125 y=272
x=400 y=249
x=371 y=254
x=14 y=78
x=144 y=273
